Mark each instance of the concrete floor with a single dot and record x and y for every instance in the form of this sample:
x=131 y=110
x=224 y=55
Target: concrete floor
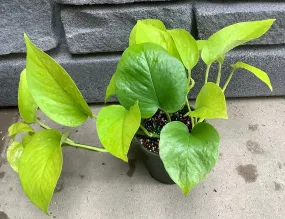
x=248 y=181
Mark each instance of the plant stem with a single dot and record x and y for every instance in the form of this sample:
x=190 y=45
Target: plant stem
x=192 y=84
x=207 y=73
x=86 y=147
x=168 y=116
x=189 y=109
x=219 y=74
x=228 y=80
x=152 y=135
x=42 y=125
x=72 y=143
x=94 y=116
x=189 y=77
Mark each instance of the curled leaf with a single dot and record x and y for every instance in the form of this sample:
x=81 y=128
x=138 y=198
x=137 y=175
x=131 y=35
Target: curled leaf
x=19 y=127
x=254 y=70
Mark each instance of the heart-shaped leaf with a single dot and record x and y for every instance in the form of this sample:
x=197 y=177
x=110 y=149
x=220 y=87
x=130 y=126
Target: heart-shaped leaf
x=40 y=167
x=186 y=46
x=188 y=157
x=152 y=22
x=232 y=36
x=256 y=71
x=150 y=34
x=210 y=103
x=53 y=89
x=27 y=106
x=19 y=127
x=111 y=89
x=148 y=73
x=116 y=128
x=14 y=153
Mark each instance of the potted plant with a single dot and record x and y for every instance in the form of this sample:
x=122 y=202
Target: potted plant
x=152 y=81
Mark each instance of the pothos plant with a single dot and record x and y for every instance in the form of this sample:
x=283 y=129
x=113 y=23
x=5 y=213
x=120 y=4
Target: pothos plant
x=153 y=74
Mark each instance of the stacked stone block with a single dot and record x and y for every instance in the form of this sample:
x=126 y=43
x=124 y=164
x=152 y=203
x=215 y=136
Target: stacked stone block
x=88 y=36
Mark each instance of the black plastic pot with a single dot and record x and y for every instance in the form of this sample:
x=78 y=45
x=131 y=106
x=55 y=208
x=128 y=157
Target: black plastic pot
x=153 y=163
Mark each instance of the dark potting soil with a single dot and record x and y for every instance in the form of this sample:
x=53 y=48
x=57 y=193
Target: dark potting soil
x=155 y=125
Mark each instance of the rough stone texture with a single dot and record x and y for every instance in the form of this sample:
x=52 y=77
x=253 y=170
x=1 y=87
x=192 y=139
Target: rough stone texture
x=270 y=59
x=7 y=117
x=92 y=29
x=99 y=2
x=212 y=17
x=92 y=74
x=31 y=17
x=242 y=185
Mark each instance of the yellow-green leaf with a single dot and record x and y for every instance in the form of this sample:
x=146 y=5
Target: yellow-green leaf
x=186 y=47
x=26 y=139
x=27 y=106
x=111 y=89
x=152 y=22
x=116 y=127
x=40 y=167
x=19 y=127
x=256 y=71
x=210 y=103
x=53 y=89
x=150 y=34
x=232 y=36
x=14 y=153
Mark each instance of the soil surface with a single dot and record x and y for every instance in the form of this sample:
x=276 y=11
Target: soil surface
x=155 y=125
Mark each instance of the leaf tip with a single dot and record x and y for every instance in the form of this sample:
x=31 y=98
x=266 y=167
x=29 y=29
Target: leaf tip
x=270 y=86
x=125 y=158
x=26 y=38
x=186 y=191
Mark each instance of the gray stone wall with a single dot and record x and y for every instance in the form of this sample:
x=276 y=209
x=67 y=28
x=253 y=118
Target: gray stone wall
x=88 y=36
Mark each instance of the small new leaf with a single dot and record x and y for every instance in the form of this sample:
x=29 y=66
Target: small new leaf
x=27 y=106
x=40 y=167
x=256 y=71
x=210 y=103
x=116 y=128
x=188 y=157
x=14 y=153
x=53 y=89
x=19 y=127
